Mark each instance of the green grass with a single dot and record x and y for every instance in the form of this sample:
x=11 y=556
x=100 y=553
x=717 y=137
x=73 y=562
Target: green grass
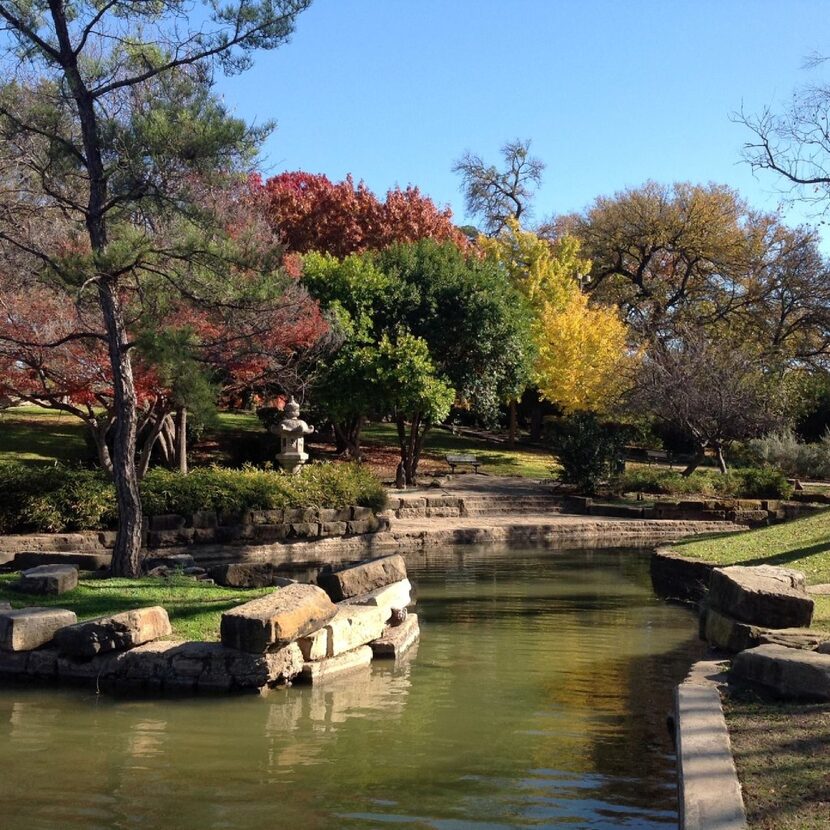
x=195 y=609
x=783 y=761
x=35 y=435
x=803 y=544
x=494 y=459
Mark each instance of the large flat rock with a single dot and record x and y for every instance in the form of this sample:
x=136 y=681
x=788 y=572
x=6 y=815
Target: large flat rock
x=194 y=666
x=249 y=575
x=354 y=580
x=723 y=632
x=29 y=628
x=120 y=631
x=80 y=559
x=320 y=670
x=352 y=626
x=48 y=579
x=277 y=619
x=397 y=640
x=764 y=595
x=790 y=673
x=389 y=598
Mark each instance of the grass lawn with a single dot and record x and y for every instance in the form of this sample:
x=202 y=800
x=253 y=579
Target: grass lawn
x=32 y=434
x=782 y=752
x=803 y=544
x=496 y=459
x=194 y=608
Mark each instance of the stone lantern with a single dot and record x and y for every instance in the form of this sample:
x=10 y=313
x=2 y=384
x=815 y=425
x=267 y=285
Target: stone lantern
x=292 y=431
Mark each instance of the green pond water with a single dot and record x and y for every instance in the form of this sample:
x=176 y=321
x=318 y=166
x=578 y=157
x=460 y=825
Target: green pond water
x=537 y=697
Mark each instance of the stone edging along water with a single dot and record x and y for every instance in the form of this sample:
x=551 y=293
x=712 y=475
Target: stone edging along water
x=709 y=793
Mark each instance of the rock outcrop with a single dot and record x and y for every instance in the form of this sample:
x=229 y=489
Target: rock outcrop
x=115 y=633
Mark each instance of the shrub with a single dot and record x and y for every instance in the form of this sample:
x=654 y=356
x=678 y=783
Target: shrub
x=795 y=458
x=747 y=483
x=587 y=449
x=55 y=499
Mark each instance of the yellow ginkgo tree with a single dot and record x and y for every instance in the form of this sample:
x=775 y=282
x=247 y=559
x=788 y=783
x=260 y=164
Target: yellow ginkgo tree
x=581 y=349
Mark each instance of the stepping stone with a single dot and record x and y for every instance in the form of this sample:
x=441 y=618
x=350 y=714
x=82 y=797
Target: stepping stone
x=789 y=672
x=321 y=670
x=723 y=632
x=120 y=631
x=277 y=619
x=249 y=575
x=766 y=596
x=352 y=626
x=173 y=562
x=355 y=580
x=29 y=628
x=389 y=598
x=396 y=641
x=48 y=579
x=83 y=561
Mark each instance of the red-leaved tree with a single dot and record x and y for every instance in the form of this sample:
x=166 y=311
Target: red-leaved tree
x=312 y=213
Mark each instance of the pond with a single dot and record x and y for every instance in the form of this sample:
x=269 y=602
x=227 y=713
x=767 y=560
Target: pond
x=537 y=697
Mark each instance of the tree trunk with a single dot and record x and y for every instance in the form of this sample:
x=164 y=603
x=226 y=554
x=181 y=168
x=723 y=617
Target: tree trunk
x=699 y=458
x=721 y=459
x=514 y=418
x=181 y=435
x=126 y=556
x=411 y=445
x=347 y=437
x=100 y=430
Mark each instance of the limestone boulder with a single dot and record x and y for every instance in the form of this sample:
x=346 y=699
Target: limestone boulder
x=723 y=632
x=354 y=580
x=277 y=619
x=196 y=666
x=397 y=640
x=249 y=575
x=48 y=579
x=29 y=628
x=352 y=626
x=766 y=596
x=320 y=670
x=788 y=672
x=390 y=598
x=82 y=560
x=125 y=630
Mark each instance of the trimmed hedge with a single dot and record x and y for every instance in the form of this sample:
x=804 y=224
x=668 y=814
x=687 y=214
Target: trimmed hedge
x=742 y=483
x=57 y=499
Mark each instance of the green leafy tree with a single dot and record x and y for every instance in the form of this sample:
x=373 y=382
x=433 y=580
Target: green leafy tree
x=112 y=145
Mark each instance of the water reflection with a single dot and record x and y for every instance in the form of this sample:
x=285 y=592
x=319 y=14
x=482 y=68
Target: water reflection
x=536 y=698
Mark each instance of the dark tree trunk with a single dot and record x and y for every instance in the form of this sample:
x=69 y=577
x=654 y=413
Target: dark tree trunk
x=100 y=430
x=514 y=424
x=699 y=458
x=347 y=437
x=536 y=423
x=126 y=556
x=411 y=445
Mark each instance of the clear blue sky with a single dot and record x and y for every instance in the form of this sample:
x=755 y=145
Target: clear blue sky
x=610 y=93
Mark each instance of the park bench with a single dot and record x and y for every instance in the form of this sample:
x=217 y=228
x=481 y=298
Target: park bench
x=658 y=456
x=455 y=460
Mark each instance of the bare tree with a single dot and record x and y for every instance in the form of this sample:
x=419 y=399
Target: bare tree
x=710 y=388
x=795 y=144
x=496 y=195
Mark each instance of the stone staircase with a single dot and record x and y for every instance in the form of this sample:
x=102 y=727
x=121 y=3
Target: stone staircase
x=525 y=501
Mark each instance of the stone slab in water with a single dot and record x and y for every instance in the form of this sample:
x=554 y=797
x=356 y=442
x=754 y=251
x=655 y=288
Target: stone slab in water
x=48 y=579
x=177 y=666
x=354 y=580
x=249 y=575
x=396 y=641
x=29 y=628
x=321 y=670
x=789 y=672
x=764 y=595
x=84 y=561
x=277 y=619
x=352 y=626
x=723 y=632
x=114 y=633
x=389 y=598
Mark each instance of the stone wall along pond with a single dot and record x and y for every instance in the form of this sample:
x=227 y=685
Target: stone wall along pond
x=299 y=632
